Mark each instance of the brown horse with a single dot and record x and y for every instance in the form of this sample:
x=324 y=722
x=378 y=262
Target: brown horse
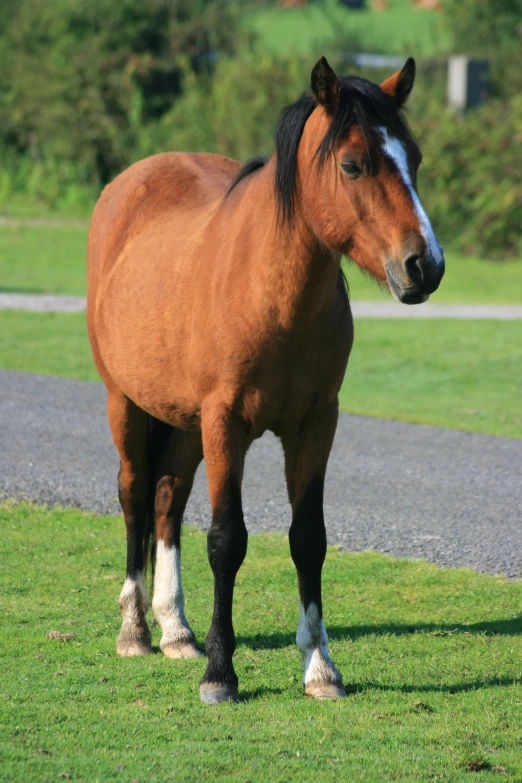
x=217 y=310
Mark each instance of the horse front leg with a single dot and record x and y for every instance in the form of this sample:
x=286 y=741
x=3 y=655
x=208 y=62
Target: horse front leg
x=306 y=457
x=224 y=449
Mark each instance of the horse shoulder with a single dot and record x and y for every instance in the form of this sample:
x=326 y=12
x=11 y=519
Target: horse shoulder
x=167 y=184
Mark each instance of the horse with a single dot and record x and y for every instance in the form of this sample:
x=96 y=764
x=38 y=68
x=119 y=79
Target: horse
x=217 y=310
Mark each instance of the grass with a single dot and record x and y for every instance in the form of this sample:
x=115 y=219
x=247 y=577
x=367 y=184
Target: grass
x=43 y=259
x=400 y=29
x=461 y=374
x=431 y=658
x=466 y=281
x=46 y=343
x=51 y=259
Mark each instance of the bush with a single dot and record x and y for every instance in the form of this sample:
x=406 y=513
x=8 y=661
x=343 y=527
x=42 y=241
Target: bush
x=234 y=113
x=470 y=181
x=491 y=29
x=79 y=80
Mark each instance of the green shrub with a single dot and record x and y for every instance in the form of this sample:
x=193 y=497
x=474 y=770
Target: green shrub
x=233 y=114
x=78 y=80
x=490 y=29
x=470 y=181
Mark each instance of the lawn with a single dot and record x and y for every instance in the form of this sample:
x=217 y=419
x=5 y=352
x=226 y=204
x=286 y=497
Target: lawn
x=51 y=259
x=461 y=374
x=46 y=343
x=400 y=29
x=43 y=259
x=465 y=375
x=431 y=660
x=466 y=281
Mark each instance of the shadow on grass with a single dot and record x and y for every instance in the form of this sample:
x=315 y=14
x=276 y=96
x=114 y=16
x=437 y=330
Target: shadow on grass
x=462 y=687
x=258 y=693
x=511 y=627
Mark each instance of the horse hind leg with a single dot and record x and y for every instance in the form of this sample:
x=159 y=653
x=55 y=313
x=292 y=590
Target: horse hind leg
x=175 y=476
x=129 y=429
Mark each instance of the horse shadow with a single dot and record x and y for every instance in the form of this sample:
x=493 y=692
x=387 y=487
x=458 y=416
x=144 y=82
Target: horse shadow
x=274 y=641
x=505 y=627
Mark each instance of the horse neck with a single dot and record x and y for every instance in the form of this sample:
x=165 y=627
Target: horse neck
x=297 y=274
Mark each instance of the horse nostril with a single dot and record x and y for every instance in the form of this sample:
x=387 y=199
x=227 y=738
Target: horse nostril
x=413 y=268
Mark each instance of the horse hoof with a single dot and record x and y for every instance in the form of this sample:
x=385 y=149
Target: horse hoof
x=129 y=647
x=181 y=650
x=325 y=690
x=213 y=693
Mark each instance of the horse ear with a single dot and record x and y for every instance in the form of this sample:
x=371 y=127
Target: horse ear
x=325 y=84
x=400 y=84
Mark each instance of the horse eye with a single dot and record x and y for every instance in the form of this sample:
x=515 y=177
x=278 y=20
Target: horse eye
x=351 y=168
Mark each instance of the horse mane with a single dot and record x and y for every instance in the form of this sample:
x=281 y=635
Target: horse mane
x=361 y=103
x=248 y=168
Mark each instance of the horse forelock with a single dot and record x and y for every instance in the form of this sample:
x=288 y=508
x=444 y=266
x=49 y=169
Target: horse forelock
x=361 y=103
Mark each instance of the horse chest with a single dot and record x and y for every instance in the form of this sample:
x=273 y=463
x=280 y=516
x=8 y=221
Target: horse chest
x=279 y=381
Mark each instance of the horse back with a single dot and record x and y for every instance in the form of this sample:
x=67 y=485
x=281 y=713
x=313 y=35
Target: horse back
x=178 y=184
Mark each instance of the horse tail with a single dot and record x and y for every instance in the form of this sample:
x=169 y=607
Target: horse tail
x=158 y=434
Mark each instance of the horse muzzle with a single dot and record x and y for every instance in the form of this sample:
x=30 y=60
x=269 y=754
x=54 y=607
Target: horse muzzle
x=412 y=280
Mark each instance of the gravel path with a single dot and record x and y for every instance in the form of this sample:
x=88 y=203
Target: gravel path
x=42 y=303
x=454 y=498
x=47 y=303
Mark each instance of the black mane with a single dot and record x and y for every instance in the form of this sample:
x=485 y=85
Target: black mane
x=361 y=103
x=250 y=166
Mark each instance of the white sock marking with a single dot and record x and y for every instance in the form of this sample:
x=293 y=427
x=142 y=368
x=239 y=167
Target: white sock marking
x=395 y=150
x=313 y=642
x=168 y=603
x=133 y=598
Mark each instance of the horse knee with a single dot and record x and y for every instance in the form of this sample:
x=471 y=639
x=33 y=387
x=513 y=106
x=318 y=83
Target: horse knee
x=307 y=546
x=227 y=548
x=227 y=538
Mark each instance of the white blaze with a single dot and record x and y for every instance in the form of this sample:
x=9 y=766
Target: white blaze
x=395 y=150
x=168 y=603
x=313 y=642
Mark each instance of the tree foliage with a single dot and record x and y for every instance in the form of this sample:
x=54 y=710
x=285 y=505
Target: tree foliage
x=89 y=86
x=484 y=24
x=470 y=179
x=78 y=79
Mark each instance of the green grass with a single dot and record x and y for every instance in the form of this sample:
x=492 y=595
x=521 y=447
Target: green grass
x=47 y=343
x=431 y=658
x=51 y=259
x=466 y=281
x=43 y=259
x=461 y=374
x=401 y=29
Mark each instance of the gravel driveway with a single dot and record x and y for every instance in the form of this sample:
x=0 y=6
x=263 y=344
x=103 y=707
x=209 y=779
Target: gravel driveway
x=451 y=497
